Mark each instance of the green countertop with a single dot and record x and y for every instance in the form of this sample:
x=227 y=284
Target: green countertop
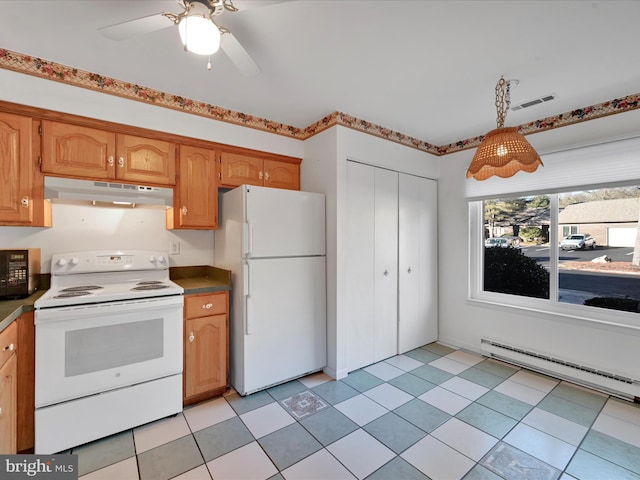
x=194 y=279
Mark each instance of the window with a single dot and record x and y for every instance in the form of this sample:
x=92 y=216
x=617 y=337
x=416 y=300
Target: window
x=571 y=249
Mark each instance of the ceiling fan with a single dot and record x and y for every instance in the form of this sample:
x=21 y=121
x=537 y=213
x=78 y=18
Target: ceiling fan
x=199 y=33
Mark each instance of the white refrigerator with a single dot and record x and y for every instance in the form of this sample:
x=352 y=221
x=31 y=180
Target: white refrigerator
x=273 y=241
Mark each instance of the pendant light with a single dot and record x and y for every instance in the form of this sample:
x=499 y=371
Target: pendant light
x=503 y=152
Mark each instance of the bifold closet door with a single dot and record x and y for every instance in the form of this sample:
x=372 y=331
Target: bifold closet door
x=417 y=262
x=371 y=263
x=385 y=274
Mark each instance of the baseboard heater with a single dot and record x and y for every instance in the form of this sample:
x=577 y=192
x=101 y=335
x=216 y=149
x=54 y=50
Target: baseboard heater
x=600 y=380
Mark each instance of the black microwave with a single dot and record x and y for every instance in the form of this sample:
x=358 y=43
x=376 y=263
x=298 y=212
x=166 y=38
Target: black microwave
x=19 y=272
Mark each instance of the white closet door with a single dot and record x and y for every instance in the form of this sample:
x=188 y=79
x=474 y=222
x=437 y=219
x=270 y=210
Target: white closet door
x=385 y=275
x=360 y=265
x=417 y=264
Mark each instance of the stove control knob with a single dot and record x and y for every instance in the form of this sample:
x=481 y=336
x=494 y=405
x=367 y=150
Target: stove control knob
x=74 y=261
x=62 y=262
x=161 y=259
x=152 y=259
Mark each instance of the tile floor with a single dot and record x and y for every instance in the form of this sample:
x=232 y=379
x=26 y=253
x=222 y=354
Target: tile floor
x=432 y=413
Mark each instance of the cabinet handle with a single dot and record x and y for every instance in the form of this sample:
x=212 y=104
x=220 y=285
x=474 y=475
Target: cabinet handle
x=386 y=272
x=110 y=160
x=121 y=162
x=192 y=337
x=409 y=270
x=9 y=348
x=0 y=410
x=184 y=210
x=25 y=202
x=260 y=175
x=207 y=305
x=266 y=175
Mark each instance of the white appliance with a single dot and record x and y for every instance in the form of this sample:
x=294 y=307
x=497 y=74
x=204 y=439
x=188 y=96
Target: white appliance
x=273 y=241
x=108 y=347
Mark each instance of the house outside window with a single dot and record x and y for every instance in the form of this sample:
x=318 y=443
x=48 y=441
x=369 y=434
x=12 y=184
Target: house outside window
x=569 y=230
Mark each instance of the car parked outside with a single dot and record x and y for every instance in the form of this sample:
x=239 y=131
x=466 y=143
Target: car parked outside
x=578 y=241
x=502 y=242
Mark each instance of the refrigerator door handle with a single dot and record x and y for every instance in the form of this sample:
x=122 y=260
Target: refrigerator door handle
x=247 y=293
x=245 y=240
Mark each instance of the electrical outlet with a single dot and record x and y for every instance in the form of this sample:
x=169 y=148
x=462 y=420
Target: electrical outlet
x=174 y=247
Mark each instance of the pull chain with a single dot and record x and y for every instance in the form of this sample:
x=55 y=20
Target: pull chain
x=503 y=100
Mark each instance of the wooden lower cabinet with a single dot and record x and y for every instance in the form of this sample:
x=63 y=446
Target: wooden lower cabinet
x=26 y=356
x=206 y=346
x=8 y=389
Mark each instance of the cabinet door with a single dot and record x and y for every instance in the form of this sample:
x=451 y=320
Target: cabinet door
x=236 y=170
x=16 y=165
x=26 y=382
x=8 y=402
x=195 y=204
x=76 y=151
x=145 y=160
x=281 y=175
x=418 y=263
x=205 y=366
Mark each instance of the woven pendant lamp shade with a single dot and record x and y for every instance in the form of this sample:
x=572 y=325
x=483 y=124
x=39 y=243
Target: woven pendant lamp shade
x=503 y=152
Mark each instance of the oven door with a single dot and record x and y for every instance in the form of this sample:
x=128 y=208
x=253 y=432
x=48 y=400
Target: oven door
x=88 y=349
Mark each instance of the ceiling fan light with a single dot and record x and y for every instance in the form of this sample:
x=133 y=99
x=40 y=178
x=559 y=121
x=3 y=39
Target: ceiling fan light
x=199 y=34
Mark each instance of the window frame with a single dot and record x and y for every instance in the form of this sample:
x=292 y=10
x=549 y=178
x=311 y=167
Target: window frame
x=551 y=306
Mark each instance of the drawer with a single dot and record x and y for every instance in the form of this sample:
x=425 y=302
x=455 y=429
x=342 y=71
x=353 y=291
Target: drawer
x=8 y=342
x=204 y=305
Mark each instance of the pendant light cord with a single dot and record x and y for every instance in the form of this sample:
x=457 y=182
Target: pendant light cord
x=503 y=100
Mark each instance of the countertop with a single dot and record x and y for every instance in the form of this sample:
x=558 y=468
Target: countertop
x=194 y=279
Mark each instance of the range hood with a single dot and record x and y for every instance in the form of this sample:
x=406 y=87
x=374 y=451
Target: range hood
x=105 y=192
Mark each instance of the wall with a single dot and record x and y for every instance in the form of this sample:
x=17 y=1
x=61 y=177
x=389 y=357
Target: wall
x=94 y=228
x=325 y=169
x=462 y=323
x=81 y=228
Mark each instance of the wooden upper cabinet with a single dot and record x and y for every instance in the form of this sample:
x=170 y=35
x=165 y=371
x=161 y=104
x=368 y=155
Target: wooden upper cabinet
x=21 y=195
x=281 y=175
x=239 y=169
x=145 y=160
x=195 y=202
x=75 y=151
x=84 y=152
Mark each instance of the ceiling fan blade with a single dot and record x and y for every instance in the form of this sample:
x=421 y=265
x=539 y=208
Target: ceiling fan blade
x=238 y=55
x=136 y=27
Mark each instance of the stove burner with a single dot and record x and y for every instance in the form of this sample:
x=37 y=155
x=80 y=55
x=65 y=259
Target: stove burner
x=150 y=282
x=76 y=293
x=81 y=288
x=153 y=286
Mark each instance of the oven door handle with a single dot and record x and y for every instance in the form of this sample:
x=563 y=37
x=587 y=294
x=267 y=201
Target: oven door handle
x=247 y=293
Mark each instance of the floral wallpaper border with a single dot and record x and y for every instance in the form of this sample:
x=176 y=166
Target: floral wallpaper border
x=38 y=67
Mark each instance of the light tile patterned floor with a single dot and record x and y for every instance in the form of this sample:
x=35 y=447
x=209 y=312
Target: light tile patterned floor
x=432 y=413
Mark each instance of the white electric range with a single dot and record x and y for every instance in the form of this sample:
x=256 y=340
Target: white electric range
x=108 y=346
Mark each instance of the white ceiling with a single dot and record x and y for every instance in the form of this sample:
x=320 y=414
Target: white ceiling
x=423 y=68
